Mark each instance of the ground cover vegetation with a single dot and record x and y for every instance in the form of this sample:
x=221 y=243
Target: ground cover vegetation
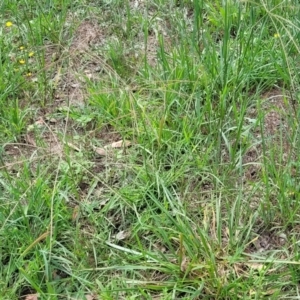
x=149 y=149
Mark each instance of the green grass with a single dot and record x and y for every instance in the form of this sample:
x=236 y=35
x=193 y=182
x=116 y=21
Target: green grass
x=203 y=204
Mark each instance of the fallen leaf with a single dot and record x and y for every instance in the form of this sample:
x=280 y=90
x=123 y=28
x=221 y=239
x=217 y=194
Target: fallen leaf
x=122 y=235
x=255 y=266
x=73 y=147
x=75 y=213
x=90 y=297
x=114 y=145
x=119 y=144
x=30 y=140
x=103 y=202
x=32 y=297
x=39 y=121
x=101 y=151
x=52 y=120
x=75 y=85
x=184 y=264
x=270 y=292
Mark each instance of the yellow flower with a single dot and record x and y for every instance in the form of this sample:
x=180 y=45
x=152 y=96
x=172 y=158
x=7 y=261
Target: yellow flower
x=28 y=74
x=276 y=35
x=22 y=48
x=30 y=54
x=22 y=61
x=8 y=24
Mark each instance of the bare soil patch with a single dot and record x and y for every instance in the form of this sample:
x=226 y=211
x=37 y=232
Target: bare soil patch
x=274 y=133
x=276 y=111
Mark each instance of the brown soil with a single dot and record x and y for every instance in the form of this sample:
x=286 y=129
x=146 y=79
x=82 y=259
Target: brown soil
x=276 y=109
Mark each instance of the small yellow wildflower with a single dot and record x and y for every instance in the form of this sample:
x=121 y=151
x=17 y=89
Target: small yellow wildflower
x=30 y=54
x=22 y=48
x=22 y=61
x=276 y=35
x=28 y=74
x=8 y=24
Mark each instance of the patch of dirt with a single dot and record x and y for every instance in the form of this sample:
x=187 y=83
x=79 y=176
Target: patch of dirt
x=151 y=50
x=137 y=4
x=277 y=108
x=16 y=154
x=107 y=135
x=272 y=140
x=158 y=26
x=276 y=111
x=69 y=85
x=87 y=34
x=37 y=145
x=267 y=240
x=51 y=55
x=67 y=88
x=69 y=81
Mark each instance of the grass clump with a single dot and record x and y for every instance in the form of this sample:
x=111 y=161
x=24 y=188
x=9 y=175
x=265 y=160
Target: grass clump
x=149 y=149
